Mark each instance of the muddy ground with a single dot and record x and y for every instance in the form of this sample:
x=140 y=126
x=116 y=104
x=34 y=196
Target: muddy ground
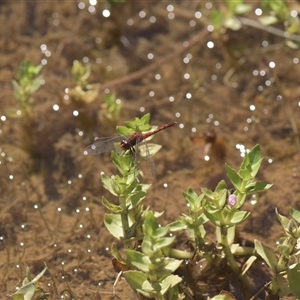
x=50 y=199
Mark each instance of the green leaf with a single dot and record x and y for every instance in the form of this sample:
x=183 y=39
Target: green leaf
x=148 y=150
x=280 y=8
x=216 y=19
x=255 y=167
x=233 y=4
x=112 y=207
x=255 y=187
x=136 y=279
x=245 y=174
x=16 y=86
x=28 y=290
x=292 y=44
x=13 y=113
x=251 y=163
x=208 y=193
x=138 y=260
x=160 y=232
x=232 y=23
x=284 y=221
x=139 y=125
x=124 y=163
x=38 y=69
x=146 y=118
x=177 y=225
x=284 y=250
x=222 y=198
x=268 y=20
x=136 y=198
x=215 y=217
x=243 y=8
x=163 y=242
x=266 y=254
x=107 y=184
x=35 y=85
x=114 y=225
x=247 y=265
x=294 y=279
x=239 y=217
x=172 y=264
x=295 y=215
x=193 y=199
x=190 y=196
x=123 y=130
x=221 y=186
x=116 y=254
x=220 y=297
x=39 y=276
x=80 y=73
x=150 y=224
x=17 y=296
x=169 y=282
x=255 y=155
x=235 y=179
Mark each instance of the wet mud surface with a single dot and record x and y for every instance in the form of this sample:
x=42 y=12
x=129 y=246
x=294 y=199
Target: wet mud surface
x=245 y=87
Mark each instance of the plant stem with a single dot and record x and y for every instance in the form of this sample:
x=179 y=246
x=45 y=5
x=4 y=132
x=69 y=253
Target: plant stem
x=244 y=251
x=124 y=220
x=227 y=251
x=232 y=262
x=175 y=253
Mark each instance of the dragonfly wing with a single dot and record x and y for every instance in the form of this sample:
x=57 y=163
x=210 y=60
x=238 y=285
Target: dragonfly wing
x=101 y=145
x=149 y=150
x=142 y=152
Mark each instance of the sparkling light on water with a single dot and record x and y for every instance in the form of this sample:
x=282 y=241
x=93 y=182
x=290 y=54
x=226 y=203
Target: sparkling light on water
x=198 y=14
x=55 y=107
x=258 y=11
x=210 y=44
x=106 y=13
x=81 y=5
x=142 y=14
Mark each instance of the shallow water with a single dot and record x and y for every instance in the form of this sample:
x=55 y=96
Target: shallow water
x=243 y=85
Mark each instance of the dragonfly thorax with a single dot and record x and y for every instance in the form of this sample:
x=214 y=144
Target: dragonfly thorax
x=134 y=139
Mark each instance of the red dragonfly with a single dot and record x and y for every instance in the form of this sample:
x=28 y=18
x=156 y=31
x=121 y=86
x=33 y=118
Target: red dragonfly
x=107 y=144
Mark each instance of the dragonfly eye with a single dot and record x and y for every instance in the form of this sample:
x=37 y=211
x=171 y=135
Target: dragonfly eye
x=125 y=145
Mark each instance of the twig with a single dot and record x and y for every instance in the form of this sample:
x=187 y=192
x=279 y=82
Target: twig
x=260 y=290
x=270 y=29
x=230 y=73
x=196 y=39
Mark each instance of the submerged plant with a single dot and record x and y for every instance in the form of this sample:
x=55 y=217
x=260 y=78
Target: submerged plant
x=286 y=265
x=84 y=91
x=29 y=289
x=111 y=109
x=27 y=82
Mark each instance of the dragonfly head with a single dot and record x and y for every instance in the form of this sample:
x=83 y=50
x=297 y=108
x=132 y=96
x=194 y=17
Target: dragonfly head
x=125 y=145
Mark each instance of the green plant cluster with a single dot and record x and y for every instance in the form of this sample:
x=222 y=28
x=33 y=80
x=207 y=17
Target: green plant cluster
x=84 y=91
x=28 y=82
x=29 y=289
x=151 y=262
x=228 y=15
